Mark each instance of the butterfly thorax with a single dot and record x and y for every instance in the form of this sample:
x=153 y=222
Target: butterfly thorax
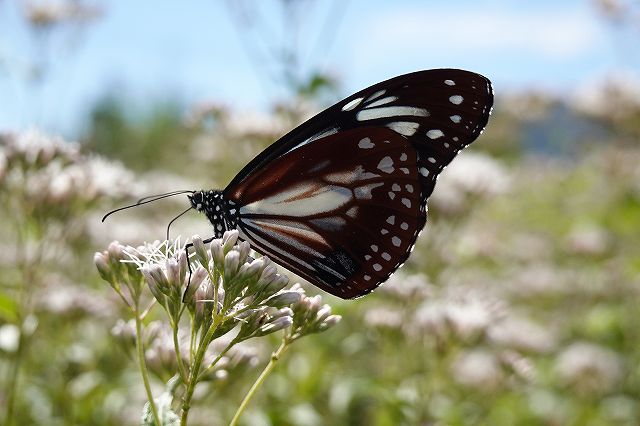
x=221 y=212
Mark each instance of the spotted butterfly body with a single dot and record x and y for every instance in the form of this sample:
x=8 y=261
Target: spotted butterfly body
x=341 y=199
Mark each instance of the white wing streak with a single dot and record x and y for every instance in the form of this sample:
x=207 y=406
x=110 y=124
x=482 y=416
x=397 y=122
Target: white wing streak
x=305 y=199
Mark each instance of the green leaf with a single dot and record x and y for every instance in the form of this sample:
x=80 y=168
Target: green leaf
x=8 y=309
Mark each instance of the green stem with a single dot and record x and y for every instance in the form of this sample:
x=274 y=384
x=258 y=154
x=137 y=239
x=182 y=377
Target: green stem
x=195 y=372
x=143 y=367
x=215 y=361
x=263 y=376
x=13 y=379
x=176 y=345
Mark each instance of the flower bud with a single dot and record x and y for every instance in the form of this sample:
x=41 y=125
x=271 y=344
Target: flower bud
x=173 y=274
x=243 y=249
x=268 y=274
x=231 y=264
x=277 y=284
x=275 y=325
x=196 y=281
x=217 y=253
x=286 y=298
x=116 y=251
x=249 y=270
x=160 y=278
x=201 y=252
x=229 y=240
x=323 y=313
x=101 y=262
x=330 y=322
x=182 y=262
x=153 y=285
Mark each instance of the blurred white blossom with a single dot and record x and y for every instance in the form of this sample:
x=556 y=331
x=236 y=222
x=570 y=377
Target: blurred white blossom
x=522 y=334
x=470 y=175
x=589 y=368
x=9 y=337
x=478 y=368
x=384 y=317
x=407 y=286
x=462 y=314
x=590 y=241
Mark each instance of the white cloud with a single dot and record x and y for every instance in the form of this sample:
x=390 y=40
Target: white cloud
x=551 y=34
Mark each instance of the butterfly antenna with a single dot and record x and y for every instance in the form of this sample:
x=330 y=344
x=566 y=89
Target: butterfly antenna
x=174 y=219
x=146 y=200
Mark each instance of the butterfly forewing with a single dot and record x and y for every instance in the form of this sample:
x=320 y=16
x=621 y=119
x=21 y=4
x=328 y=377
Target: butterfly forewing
x=341 y=199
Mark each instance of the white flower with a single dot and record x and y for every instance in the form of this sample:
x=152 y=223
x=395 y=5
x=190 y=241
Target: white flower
x=589 y=241
x=478 y=369
x=9 y=337
x=404 y=286
x=522 y=334
x=463 y=314
x=384 y=317
x=589 y=368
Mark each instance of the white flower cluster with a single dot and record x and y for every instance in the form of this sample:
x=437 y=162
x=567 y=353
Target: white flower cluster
x=51 y=171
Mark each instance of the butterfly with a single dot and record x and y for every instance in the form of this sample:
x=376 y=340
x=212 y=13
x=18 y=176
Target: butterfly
x=341 y=199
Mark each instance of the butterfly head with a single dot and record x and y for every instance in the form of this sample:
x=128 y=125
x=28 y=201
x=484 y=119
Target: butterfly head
x=218 y=210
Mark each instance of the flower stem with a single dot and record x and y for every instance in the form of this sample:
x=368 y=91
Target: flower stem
x=195 y=372
x=143 y=367
x=176 y=345
x=263 y=376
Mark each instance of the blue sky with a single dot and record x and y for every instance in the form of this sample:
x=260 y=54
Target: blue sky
x=196 y=51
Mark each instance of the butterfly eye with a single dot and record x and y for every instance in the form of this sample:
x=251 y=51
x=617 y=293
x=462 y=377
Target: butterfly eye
x=341 y=199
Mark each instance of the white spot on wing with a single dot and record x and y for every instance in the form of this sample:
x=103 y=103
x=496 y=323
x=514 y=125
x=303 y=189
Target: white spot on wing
x=456 y=99
x=365 y=143
x=386 y=165
x=377 y=267
x=424 y=171
x=406 y=202
x=391 y=111
x=450 y=82
x=351 y=105
x=352 y=212
x=395 y=187
x=391 y=220
x=376 y=95
x=404 y=226
x=382 y=101
x=374 y=248
x=405 y=128
x=403 y=157
x=386 y=256
x=409 y=188
x=435 y=134
x=396 y=241
x=455 y=118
